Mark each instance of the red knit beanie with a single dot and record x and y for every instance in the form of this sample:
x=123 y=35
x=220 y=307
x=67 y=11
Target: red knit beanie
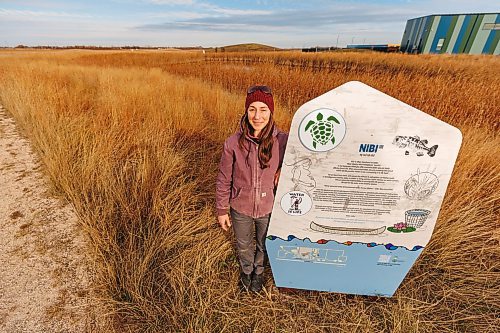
x=260 y=96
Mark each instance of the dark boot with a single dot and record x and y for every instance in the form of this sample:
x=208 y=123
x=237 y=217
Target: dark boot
x=246 y=280
x=256 y=284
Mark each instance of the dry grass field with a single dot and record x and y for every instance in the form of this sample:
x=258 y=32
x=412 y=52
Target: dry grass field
x=133 y=140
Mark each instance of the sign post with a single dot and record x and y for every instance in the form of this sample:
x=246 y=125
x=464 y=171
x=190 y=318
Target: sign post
x=361 y=185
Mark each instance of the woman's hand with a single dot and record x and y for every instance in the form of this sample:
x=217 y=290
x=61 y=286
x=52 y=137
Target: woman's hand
x=277 y=177
x=224 y=222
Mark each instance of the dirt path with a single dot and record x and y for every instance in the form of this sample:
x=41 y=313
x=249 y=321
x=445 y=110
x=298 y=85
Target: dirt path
x=44 y=275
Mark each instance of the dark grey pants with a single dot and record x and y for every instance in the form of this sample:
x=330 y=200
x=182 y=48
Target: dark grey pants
x=251 y=256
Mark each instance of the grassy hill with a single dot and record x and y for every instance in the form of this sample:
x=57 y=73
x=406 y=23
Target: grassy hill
x=248 y=47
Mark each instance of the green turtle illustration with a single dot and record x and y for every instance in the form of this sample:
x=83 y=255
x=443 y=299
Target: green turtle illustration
x=322 y=130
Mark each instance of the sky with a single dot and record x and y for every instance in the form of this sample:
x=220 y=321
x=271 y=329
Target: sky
x=209 y=23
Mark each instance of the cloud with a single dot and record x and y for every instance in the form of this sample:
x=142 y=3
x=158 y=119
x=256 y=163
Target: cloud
x=314 y=16
x=232 y=11
x=289 y=19
x=238 y=12
x=174 y=15
x=21 y=15
x=171 y=2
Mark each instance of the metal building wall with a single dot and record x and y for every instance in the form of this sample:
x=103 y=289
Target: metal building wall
x=465 y=33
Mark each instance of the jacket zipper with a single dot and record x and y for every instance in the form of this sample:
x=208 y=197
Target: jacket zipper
x=255 y=180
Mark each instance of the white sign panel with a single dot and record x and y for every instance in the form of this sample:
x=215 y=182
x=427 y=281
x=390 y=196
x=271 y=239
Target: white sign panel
x=361 y=186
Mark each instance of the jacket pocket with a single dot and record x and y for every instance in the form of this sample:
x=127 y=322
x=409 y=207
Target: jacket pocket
x=266 y=200
x=235 y=192
x=241 y=200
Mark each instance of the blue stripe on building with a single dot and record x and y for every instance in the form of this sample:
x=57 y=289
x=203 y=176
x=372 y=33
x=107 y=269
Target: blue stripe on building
x=491 y=37
x=461 y=33
x=442 y=29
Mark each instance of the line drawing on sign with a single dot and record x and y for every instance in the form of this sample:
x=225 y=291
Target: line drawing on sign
x=321 y=130
x=414 y=219
x=295 y=202
x=421 y=185
x=414 y=144
x=346 y=230
x=301 y=176
x=311 y=254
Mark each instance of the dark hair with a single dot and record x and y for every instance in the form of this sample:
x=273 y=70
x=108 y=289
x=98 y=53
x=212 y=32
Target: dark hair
x=265 y=139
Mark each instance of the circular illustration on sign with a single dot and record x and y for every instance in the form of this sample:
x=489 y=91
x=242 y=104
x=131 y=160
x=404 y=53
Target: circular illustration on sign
x=296 y=203
x=421 y=185
x=322 y=130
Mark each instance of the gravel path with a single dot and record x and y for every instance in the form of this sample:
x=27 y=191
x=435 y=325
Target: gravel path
x=44 y=274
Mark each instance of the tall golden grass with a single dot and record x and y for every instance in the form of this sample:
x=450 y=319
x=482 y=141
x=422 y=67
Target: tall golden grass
x=133 y=141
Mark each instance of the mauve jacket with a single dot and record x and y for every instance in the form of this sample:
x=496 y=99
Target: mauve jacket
x=246 y=187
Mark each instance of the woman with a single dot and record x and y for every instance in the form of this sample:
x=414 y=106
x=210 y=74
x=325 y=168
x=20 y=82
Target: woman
x=248 y=174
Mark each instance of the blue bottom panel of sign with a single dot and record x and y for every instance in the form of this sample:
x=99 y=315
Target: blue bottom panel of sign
x=352 y=268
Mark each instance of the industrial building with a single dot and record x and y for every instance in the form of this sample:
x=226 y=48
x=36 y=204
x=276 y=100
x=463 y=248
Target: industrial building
x=458 y=33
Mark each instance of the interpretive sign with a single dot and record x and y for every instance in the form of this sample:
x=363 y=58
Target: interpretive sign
x=361 y=185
